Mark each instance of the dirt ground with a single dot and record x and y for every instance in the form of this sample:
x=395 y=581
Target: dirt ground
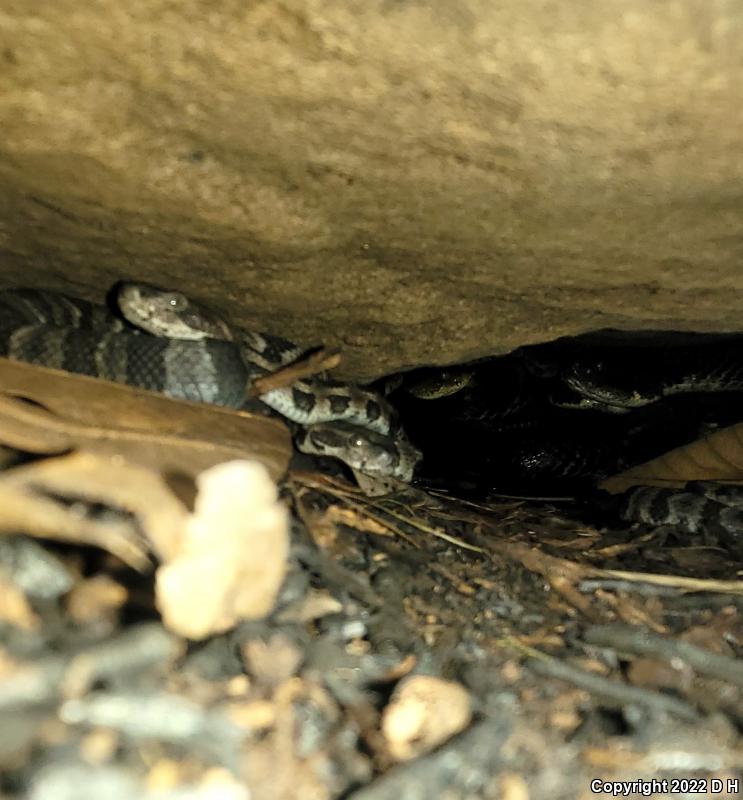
x=419 y=646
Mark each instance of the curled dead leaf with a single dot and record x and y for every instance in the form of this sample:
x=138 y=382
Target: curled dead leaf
x=715 y=457
x=50 y=498
x=69 y=412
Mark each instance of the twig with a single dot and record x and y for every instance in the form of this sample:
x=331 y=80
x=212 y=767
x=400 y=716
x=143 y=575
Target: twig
x=332 y=570
x=319 y=361
x=612 y=691
x=676 y=581
x=590 y=585
x=642 y=642
x=367 y=503
x=437 y=532
x=136 y=649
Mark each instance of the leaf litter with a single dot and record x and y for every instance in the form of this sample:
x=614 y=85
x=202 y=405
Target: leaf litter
x=181 y=616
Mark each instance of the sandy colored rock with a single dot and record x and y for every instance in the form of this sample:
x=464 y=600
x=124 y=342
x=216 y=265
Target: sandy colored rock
x=415 y=183
x=233 y=556
x=423 y=713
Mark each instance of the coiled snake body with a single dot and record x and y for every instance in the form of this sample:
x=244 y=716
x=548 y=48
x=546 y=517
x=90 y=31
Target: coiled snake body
x=557 y=418
x=183 y=350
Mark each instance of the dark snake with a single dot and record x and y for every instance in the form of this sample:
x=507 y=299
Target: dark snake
x=626 y=375
x=555 y=418
x=169 y=344
x=618 y=372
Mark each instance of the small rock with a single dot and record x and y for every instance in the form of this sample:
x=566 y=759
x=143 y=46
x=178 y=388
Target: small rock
x=423 y=713
x=234 y=553
x=273 y=661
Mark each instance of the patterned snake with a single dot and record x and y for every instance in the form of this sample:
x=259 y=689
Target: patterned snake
x=169 y=344
x=185 y=351
x=618 y=372
x=555 y=418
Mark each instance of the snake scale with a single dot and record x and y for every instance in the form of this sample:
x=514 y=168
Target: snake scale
x=617 y=372
x=556 y=418
x=169 y=344
x=712 y=510
x=629 y=375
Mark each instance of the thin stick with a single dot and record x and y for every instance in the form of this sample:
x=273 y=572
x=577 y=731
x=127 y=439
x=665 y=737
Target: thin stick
x=676 y=581
x=367 y=503
x=319 y=361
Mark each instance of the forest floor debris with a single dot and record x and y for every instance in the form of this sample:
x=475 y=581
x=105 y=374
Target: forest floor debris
x=342 y=646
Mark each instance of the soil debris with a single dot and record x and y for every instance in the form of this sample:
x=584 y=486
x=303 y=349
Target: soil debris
x=231 y=634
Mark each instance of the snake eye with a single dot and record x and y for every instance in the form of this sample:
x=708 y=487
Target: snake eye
x=176 y=301
x=357 y=441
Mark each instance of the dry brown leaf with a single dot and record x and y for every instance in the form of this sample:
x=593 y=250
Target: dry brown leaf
x=566 y=590
x=48 y=498
x=325 y=532
x=314 y=604
x=22 y=511
x=615 y=550
x=232 y=559
x=75 y=411
x=655 y=673
x=648 y=612
x=458 y=583
x=716 y=457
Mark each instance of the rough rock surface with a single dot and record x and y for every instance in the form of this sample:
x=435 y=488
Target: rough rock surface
x=415 y=182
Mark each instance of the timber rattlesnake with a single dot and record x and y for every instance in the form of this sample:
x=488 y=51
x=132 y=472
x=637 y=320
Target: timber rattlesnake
x=554 y=419
x=183 y=350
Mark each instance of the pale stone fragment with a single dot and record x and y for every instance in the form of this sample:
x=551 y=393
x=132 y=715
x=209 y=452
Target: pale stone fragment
x=423 y=713
x=233 y=555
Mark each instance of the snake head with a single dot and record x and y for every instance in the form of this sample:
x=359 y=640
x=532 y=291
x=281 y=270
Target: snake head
x=168 y=313
x=610 y=384
x=362 y=449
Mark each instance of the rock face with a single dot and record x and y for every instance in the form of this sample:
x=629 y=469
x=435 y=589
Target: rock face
x=414 y=182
